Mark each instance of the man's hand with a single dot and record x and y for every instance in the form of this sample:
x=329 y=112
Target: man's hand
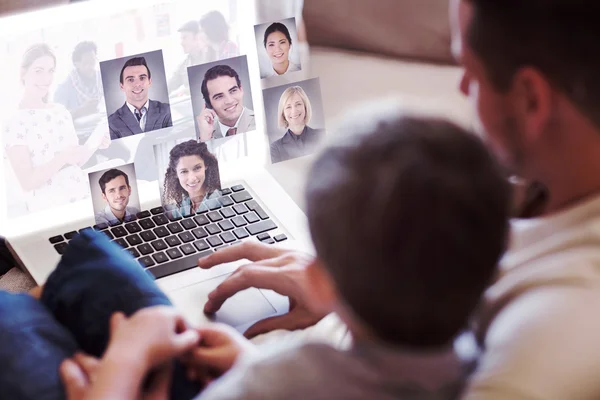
x=206 y=123
x=220 y=347
x=283 y=271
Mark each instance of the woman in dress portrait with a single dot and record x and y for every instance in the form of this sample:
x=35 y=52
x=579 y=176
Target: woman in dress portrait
x=40 y=141
x=192 y=177
x=294 y=114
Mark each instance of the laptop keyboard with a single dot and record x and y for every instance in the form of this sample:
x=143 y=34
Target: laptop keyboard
x=166 y=242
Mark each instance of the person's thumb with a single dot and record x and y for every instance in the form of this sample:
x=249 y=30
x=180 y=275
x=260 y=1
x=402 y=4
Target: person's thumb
x=74 y=380
x=286 y=321
x=185 y=341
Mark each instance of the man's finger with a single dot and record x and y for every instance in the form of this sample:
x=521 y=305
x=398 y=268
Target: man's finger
x=186 y=341
x=87 y=363
x=288 y=322
x=74 y=380
x=252 y=275
x=252 y=251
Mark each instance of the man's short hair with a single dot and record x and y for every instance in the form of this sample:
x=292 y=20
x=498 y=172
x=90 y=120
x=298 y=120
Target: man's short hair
x=556 y=37
x=109 y=176
x=81 y=48
x=277 y=27
x=409 y=216
x=214 y=73
x=190 y=26
x=132 y=62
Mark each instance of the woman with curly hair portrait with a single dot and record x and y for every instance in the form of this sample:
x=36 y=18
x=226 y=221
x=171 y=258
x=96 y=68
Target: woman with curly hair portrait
x=192 y=177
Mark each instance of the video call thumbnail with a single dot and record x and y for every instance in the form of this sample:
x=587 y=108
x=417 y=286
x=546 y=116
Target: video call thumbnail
x=275 y=47
x=115 y=196
x=295 y=119
x=188 y=175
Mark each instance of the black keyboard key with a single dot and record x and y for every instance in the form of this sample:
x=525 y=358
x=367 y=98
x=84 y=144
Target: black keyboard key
x=133 y=252
x=87 y=228
x=202 y=209
x=241 y=233
x=238 y=188
x=213 y=229
x=263 y=226
x=56 y=239
x=226 y=225
x=133 y=227
x=173 y=241
x=213 y=204
x=226 y=201
x=261 y=213
x=175 y=227
x=70 y=235
x=119 y=231
x=181 y=264
x=174 y=254
x=186 y=237
x=240 y=209
x=160 y=219
x=129 y=218
x=201 y=245
x=134 y=239
x=251 y=218
x=148 y=236
x=61 y=247
x=263 y=236
x=100 y=227
x=214 y=241
x=161 y=232
x=143 y=214
x=269 y=241
x=121 y=242
x=147 y=223
x=187 y=249
x=159 y=245
x=145 y=249
x=146 y=261
x=157 y=210
x=200 y=233
x=226 y=192
x=174 y=216
x=241 y=197
x=201 y=220
x=239 y=221
x=188 y=224
x=215 y=216
x=227 y=213
x=228 y=237
x=107 y=233
x=115 y=222
x=160 y=257
x=280 y=238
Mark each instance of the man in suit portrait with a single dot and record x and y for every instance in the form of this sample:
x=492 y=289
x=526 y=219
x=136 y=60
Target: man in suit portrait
x=139 y=113
x=224 y=113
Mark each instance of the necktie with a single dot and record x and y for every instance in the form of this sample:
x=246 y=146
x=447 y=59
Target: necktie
x=231 y=131
x=139 y=114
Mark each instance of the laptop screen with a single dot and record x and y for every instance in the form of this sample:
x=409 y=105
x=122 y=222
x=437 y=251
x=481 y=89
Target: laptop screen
x=97 y=85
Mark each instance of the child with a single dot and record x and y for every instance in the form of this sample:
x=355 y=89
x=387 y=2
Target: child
x=409 y=217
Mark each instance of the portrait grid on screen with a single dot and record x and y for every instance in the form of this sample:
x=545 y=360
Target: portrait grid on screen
x=136 y=94
x=188 y=175
x=115 y=195
x=275 y=47
x=295 y=119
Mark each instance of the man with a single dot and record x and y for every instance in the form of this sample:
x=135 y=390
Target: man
x=533 y=79
x=194 y=46
x=81 y=92
x=116 y=191
x=224 y=113
x=139 y=113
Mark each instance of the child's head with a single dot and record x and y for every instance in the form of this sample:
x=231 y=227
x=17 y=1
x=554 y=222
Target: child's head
x=409 y=216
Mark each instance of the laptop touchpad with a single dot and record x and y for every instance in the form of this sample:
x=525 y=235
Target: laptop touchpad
x=239 y=311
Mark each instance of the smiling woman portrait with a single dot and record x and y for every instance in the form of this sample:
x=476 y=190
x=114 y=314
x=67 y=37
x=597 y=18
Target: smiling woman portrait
x=40 y=141
x=294 y=114
x=277 y=42
x=192 y=177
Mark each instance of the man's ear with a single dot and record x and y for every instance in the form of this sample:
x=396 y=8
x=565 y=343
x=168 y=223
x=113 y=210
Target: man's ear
x=149 y=82
x=323 y=288
x=122 y=88
x=533 y=101
x=104 y=197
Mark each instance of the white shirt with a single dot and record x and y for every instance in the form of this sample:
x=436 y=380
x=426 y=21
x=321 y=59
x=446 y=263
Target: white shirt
x=144 y=112
x=225 y=128
x=291 y=68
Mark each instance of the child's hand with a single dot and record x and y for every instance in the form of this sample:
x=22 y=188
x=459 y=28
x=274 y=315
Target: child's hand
x=220 y=346
x=152 y=335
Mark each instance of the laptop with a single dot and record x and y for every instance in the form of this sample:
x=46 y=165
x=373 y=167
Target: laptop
x=248 y=204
